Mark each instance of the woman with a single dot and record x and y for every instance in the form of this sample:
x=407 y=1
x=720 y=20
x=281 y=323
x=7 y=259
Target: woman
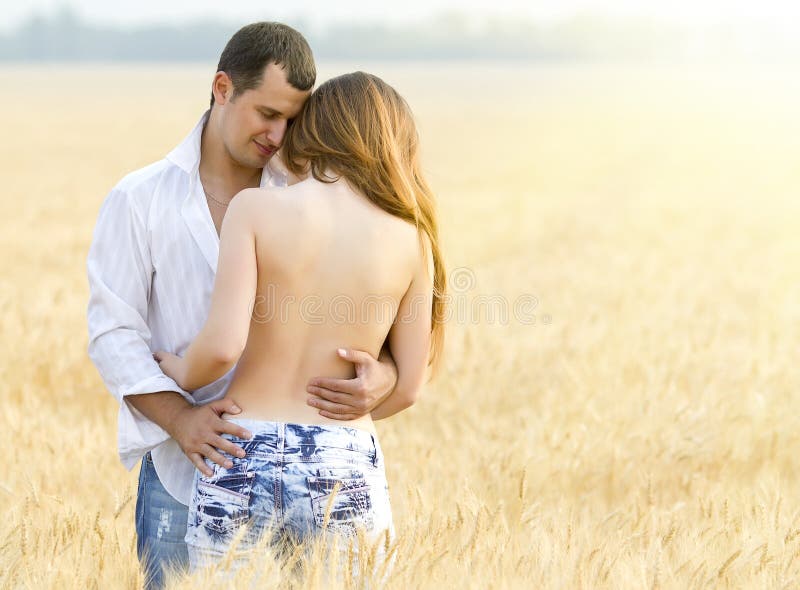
x=346 y=256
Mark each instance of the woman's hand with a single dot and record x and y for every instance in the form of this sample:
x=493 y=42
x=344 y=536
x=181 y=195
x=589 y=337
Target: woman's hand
x=172 y=366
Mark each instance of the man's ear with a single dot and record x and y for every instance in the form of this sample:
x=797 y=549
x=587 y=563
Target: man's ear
x=222 y=87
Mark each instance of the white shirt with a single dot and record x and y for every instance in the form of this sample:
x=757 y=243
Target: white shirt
x=151 y=269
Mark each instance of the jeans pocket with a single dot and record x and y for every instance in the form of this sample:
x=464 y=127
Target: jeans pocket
x=344 y=496
x=223 y=500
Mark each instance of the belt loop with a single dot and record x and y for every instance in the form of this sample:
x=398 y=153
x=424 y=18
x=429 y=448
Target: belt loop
x=281 y=437
x=374 y=450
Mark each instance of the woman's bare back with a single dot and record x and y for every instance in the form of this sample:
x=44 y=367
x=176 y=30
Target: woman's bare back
x=332 y=270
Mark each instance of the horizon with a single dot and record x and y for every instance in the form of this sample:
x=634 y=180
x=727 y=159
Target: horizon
x=770 y=13
x=63 y=32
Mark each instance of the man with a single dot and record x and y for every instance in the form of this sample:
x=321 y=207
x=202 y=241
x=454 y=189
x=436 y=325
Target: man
x=151 y=271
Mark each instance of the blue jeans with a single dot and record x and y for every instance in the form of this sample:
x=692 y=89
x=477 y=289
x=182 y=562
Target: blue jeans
x=297 y=481
x=160 y=527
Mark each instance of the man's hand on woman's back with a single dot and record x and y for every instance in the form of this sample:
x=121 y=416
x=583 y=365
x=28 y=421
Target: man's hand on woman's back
x=348 y=399
x=196 y=429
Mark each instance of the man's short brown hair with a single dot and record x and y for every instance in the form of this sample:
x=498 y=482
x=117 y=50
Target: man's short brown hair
x=255 y=46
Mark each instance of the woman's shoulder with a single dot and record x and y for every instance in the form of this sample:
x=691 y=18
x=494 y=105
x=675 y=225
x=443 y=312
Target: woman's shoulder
x=274 y=212
x=253 y=196
x=268 y=198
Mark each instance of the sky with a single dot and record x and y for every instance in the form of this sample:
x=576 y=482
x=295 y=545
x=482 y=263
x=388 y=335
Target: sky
x=781 y=13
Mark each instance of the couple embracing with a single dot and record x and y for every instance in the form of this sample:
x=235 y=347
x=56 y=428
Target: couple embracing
x=261 y=296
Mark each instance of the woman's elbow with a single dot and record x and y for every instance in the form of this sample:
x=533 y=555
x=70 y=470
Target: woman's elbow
x=409 y=395
x=217 y=357
x=227 y=350
x=227 y=356
x=221 y=344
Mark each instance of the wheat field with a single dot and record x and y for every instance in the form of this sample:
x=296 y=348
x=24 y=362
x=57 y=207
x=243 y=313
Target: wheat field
x=637 y=428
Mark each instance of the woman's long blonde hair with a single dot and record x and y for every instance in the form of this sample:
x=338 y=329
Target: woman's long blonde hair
x=358 y=127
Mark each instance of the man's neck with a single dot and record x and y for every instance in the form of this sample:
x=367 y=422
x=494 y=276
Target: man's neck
x=218 y=171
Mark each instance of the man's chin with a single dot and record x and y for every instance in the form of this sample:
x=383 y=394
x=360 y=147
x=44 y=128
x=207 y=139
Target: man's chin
x=253 y=161
x=260 y=160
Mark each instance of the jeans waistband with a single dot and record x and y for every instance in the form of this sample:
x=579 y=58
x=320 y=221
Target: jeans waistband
x=306 y=442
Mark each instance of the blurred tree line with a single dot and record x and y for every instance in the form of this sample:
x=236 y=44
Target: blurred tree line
x=64 y=36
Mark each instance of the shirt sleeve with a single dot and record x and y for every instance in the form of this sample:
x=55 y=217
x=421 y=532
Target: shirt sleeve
x=120 y=274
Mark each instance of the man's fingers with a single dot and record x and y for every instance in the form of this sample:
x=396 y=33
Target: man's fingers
x=338 y=416
x=223 y=444
x=216 y=456
x=331 y=407
x=220 y=406
x=349 y=386
x=228 y=427
x=332 y=396
x=354 y=356
x=197 y=459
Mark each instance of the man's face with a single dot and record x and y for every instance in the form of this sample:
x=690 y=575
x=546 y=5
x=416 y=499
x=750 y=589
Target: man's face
x=254 y=123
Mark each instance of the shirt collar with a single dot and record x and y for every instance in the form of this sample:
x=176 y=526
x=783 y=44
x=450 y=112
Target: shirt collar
x=186 y=156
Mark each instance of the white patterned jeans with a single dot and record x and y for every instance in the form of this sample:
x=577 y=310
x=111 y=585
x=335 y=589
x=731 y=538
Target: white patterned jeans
x=296 y=482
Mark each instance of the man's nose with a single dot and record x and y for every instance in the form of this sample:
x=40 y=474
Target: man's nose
x=276 y=133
